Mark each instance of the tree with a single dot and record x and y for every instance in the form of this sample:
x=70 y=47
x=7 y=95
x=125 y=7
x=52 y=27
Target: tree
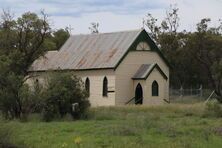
x=94 y=28
x=190 y=53
x=169 y=25
x=22 y=41
x=151 y=23
x=56 y=39
x=62 y=90
x=206 y=45
x=60 y=36
x=172 y=43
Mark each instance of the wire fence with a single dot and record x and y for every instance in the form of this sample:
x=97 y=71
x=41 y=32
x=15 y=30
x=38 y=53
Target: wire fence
x=198 y=92
x=191 y=95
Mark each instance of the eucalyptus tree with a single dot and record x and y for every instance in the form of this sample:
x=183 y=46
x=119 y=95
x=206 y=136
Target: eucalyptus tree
x=22 y=41
x=206 y=45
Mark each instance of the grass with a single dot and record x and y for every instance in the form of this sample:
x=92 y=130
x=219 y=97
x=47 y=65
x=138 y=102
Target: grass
x=168 y=126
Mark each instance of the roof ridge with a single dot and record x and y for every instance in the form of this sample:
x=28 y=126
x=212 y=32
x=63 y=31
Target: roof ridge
x=134 y=30
x=90 y=52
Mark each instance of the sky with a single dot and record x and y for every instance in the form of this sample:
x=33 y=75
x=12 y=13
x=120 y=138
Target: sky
x=115 y=15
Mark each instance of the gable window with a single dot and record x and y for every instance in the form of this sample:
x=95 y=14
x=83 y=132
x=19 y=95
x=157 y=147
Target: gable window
x=155 y=88
x=105 y=87
x=87 y=85
x=143 y=46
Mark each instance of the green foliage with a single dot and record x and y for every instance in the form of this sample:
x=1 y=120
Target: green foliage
x=22 y=41
x=17 y=100
x=206 y=47
x=61 y=92
x=189 y=53
x=31 y=100
x=56 y=39
x=59 y=37
x=10 y=102
x=213 y=109
x=172 y=44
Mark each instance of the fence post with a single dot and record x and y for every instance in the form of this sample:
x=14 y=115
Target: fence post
x=201 y=91
x=181 y=91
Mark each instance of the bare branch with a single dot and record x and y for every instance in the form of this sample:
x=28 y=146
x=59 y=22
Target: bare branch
x=94 y=27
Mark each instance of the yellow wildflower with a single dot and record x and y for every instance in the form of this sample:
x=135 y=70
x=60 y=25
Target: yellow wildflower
x=78 y=140
x=64 y=145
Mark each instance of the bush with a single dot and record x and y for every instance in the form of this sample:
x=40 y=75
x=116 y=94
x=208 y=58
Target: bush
x=213 y=109
x=31 y=100
x=10 y=102
x=62 y=90
x=17 y=99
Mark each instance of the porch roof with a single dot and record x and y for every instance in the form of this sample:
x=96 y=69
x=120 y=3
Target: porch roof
x=144 y=71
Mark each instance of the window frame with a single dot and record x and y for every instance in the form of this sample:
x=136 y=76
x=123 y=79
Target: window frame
x=155 y=89
x=87 y=86
x=105 y=87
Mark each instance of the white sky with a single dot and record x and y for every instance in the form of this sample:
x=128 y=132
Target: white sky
x=115 y=15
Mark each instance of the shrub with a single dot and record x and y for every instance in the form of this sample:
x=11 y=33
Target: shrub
x=62 y=90
x=31 y=100
x=213 y=109
x=10 y=102
x=17 y=99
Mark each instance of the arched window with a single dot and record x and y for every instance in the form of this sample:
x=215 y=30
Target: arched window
x=87 y=85
x=155 y=88
x=105 y=87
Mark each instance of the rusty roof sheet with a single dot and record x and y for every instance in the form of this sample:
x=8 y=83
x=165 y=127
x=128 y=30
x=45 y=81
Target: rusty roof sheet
x=44 y=61
x=92 y=51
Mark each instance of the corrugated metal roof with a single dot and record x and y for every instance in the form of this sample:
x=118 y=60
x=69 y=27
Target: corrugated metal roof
x=88 y=52
x=44 y=61
x=143 y=71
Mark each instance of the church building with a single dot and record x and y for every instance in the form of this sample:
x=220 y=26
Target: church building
x=117 y=68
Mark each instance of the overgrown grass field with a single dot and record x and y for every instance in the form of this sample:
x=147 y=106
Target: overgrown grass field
x=168 y=126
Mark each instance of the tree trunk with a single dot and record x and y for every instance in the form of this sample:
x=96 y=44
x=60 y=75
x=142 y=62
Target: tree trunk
x=219 y=96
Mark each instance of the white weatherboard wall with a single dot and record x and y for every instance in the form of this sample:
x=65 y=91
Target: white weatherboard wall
x=120 y=81
x=125 y=85
x=96 y=85
x=156 y=76
x=147 y=88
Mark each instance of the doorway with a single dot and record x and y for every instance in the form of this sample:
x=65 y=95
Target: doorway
x=139 y=94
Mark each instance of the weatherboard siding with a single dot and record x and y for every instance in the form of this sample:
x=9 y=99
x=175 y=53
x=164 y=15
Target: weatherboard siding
x=120 y=83
x=96 y=84
x=127 y=68
x=149 y=99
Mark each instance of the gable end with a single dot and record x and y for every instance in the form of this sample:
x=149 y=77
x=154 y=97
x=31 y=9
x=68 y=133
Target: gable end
x=153 y=66
x=144 y=37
